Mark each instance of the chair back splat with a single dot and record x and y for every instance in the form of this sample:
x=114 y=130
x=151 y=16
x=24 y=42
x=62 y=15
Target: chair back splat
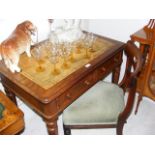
x=129 y=82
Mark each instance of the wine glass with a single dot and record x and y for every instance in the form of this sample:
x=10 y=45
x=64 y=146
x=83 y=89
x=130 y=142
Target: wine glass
x=92 y=39
x=71 y=47
x=65 y=52
x=47 y=48
x=37 y=54
x=54 y=58
x=80 y=44
x=88 y=42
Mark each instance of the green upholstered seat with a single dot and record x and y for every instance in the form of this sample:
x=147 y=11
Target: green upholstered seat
x=99 y=105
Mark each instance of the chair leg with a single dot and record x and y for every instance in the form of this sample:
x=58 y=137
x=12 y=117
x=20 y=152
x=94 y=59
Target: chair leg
x=140 y=97
x=119 y=128
x=67 y=131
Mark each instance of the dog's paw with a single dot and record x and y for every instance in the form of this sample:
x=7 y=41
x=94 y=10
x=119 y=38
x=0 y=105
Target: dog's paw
x=18 y=69
x=29 y=54
x=0 y=57
x=12 y=70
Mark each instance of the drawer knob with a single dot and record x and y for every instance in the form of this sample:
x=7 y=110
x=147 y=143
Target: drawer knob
x=68 y=96
x=103 y=69
x=58 y=106
x=87 y=83
x=115 y=59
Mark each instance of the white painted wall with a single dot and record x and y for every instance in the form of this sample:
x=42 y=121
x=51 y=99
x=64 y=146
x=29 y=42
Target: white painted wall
x=119 y=29
x=8 y=25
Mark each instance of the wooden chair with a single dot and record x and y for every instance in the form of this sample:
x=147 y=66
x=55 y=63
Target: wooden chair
x=104 y=106
x=11 y=117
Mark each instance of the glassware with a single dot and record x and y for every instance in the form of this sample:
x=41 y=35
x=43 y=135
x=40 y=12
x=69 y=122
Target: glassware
x=47 y=46
x=37 y=54
x=53 y=38
x=72 y=47
x=54 y=58
x=79 y=45
x=88 y=43
x=50 y=21
x=92 y=39
x=65 y=52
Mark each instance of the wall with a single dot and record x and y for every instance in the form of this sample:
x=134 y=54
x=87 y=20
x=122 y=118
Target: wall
x=115 y=28
x=8 y=25
x=119 y=29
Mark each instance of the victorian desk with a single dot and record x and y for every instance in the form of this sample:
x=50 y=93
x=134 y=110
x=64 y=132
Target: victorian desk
x=50 y=94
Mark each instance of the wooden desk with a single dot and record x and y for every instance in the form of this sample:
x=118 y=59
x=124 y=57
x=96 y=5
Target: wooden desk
x=50 y=101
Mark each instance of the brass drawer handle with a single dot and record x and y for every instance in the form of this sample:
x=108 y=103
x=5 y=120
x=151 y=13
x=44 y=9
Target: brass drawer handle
x=68 y=96
x=87 y=83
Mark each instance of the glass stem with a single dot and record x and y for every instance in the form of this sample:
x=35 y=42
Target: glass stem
x=86 y=52
x=65 y=61
x=54 y=67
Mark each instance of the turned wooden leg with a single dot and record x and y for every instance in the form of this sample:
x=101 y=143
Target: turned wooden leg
x=67 y=131
x=52 y=126
x=138 y=103
x=10 y=94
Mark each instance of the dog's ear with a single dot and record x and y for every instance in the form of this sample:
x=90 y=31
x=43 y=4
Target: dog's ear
x=28 y=25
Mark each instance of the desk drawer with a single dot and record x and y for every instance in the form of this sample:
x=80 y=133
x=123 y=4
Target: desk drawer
x=107 y=67
x=83 y=85
x=74 y=92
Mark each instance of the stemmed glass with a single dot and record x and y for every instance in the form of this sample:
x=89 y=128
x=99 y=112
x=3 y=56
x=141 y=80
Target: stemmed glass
x=54 y=58
x=88 y=43
x=71 y=50
x=37 y=54
x=65 y=52
x=78 y=46
x=92 y=38
x=47 y=48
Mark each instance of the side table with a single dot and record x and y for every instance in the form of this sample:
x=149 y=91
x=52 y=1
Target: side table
x=11 y=121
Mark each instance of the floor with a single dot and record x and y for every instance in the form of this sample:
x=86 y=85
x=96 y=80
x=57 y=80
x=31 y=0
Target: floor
x=141 y=124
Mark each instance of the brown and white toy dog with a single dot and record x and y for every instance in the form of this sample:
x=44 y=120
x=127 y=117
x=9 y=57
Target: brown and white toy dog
x=17 y=43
